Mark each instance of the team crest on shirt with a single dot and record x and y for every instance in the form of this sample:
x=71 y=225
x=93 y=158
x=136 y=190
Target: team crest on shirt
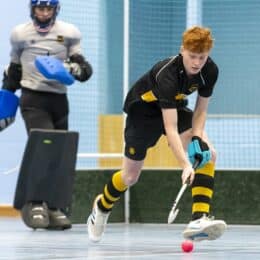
x=180 y=96
x=60 y=38
x=132 y=150
x=193 y=87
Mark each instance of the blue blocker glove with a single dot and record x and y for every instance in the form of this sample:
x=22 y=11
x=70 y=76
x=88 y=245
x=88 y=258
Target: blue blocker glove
x=8 y=106
x=52 y=68
x=198 y=150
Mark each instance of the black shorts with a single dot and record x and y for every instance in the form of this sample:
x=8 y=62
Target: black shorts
x=143 y=131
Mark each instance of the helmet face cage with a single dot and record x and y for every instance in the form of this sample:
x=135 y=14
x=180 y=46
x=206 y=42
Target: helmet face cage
x=44 y=26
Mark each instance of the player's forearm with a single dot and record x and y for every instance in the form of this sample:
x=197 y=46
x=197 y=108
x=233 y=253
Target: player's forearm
x=170 y=119
x=198 y=123
x=199 y=116
x=177 y=149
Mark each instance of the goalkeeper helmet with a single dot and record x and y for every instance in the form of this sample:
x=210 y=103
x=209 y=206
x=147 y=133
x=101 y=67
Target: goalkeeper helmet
x=46 y=25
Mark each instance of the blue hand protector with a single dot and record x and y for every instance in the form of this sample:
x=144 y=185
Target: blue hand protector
x=8 y=106
x=52 y=68
x=198 y=150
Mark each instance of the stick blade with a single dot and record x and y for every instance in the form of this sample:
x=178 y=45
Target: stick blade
x=172 y=215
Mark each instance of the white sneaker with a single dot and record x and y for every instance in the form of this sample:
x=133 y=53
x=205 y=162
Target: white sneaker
x=204 y=228
x=97 y=221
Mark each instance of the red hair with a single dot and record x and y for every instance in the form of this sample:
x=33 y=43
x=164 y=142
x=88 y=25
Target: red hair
x=197 y=39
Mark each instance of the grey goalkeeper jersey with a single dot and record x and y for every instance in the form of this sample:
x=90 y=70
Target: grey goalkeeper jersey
x=62 y=41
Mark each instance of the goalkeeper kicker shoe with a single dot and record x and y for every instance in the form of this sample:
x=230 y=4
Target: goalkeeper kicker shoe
x=58 y=220
x=204 y=228
x=97 y=222
x=35 y=215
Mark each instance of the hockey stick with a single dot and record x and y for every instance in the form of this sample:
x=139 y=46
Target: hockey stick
x=174 y=212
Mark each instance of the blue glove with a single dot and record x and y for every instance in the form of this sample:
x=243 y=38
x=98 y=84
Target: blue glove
x=198 y=150
x=8 y=106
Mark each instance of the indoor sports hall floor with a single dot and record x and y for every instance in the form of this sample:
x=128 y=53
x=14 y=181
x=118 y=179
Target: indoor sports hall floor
x=134 y=241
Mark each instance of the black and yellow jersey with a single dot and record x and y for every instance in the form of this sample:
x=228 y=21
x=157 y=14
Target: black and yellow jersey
x=166 y=84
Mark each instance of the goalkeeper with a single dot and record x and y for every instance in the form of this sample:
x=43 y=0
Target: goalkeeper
x=157 y=105
x=43 y=102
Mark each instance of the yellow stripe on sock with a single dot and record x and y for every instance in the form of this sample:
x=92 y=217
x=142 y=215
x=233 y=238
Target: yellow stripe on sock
x=109 y=196
x=207 y=169
x=105 y=204
x=202 y=191
x=118 y=181
x=200 y=207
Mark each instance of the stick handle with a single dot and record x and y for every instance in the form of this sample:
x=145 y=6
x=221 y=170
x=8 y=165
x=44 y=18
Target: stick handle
x=174 y=211
x=180 y=193
x=196 y=164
